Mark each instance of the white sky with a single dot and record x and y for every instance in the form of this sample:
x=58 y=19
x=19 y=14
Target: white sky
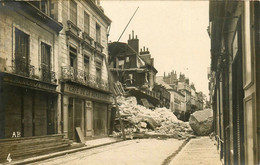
x=175 y=33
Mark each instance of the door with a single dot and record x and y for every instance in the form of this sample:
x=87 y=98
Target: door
x=27 y=113
x=51 y=115
x=70 y=119
x=100 y=119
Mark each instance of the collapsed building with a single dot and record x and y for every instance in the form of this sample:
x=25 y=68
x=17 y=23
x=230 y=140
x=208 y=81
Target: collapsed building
x=160 y=122
x=136 y=71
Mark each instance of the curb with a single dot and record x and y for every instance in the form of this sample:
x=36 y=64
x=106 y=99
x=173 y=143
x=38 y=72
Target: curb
x=56 y=154
x=170 y=157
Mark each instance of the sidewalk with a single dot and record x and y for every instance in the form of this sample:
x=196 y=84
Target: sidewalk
x=199 y=151
x=88 y=145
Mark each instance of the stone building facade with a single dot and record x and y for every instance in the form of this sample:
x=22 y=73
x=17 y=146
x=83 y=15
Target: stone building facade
x=54 y=63
x=234 y=79
x=29 y=66
x=83 y=73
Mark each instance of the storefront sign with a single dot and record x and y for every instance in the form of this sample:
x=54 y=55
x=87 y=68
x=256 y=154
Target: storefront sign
x=28 y=82
x=85 y=92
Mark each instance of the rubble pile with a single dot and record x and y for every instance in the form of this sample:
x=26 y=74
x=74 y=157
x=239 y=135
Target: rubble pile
x=160 y=121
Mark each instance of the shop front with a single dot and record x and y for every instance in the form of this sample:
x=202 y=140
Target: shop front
x=85 y=108
x=28 y=107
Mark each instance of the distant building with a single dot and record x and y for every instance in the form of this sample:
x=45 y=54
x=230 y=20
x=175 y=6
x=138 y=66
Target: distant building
x=177 y=99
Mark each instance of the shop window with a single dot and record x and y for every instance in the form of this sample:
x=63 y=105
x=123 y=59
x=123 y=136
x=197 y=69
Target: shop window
x=73 y=12
x=73 y=57
x=98 y=33
x=86 y=23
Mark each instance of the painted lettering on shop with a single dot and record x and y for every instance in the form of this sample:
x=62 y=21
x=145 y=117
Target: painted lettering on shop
x=86 y=92
x=16 y=134
x=28 y=82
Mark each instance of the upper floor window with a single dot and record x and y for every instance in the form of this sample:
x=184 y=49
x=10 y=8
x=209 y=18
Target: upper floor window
x=86 y=23
x=98 y=63
x=46 y=62
x=42 y=5
x=73 y=57
x=46 y=56
x=98 y=33
x=98 y=71
x=21 y=45
x=86 y=64
x=21 y=53
x=73 y=12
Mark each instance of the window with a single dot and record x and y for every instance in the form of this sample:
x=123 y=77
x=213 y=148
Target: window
x=73 y=12
x=46 y=62
x=86 y=22
x=127 y=59
x=21 y=53
x=42 y=5
x=21 y=45
x=98 y=71
x=73 y=57
x=86 y=64
x=46 y=55
x=98 y=33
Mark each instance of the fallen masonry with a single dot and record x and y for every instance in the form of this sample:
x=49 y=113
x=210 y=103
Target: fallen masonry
x=201 y=122
x=141 y=122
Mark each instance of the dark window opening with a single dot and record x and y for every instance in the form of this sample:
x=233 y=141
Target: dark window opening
x=46 y=62
x=98 y=33
x=73 y=57
x=21 y=53
x=86 y=22
x=42 y=5
x=73 y=12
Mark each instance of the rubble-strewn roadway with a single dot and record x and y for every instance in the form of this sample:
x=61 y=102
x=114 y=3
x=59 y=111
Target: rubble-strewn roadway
x=200 y=150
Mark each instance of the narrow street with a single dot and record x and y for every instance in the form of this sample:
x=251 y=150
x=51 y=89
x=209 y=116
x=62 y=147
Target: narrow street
x=146 y=152
x=131 y=152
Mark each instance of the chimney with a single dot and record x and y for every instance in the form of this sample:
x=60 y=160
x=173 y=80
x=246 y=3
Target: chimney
x=133 y=42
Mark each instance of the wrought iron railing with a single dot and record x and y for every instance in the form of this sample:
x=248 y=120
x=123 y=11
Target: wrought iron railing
x=48 y=75
x=82 y=77
x=22 y=67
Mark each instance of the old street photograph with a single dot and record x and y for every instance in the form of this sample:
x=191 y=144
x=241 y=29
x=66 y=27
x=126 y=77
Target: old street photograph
x=130 y=82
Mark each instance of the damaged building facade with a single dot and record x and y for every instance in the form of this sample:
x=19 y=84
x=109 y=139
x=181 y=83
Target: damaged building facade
x=234 y=79
x=135 y=70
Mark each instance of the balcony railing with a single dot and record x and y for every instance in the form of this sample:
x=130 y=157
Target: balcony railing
x=23 y=68
x=79 y=76
x=48 y=75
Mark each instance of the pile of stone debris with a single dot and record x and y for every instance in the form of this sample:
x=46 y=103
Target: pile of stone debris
x=142 y=122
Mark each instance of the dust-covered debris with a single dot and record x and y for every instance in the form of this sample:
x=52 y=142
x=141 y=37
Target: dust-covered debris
x=158 y=122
